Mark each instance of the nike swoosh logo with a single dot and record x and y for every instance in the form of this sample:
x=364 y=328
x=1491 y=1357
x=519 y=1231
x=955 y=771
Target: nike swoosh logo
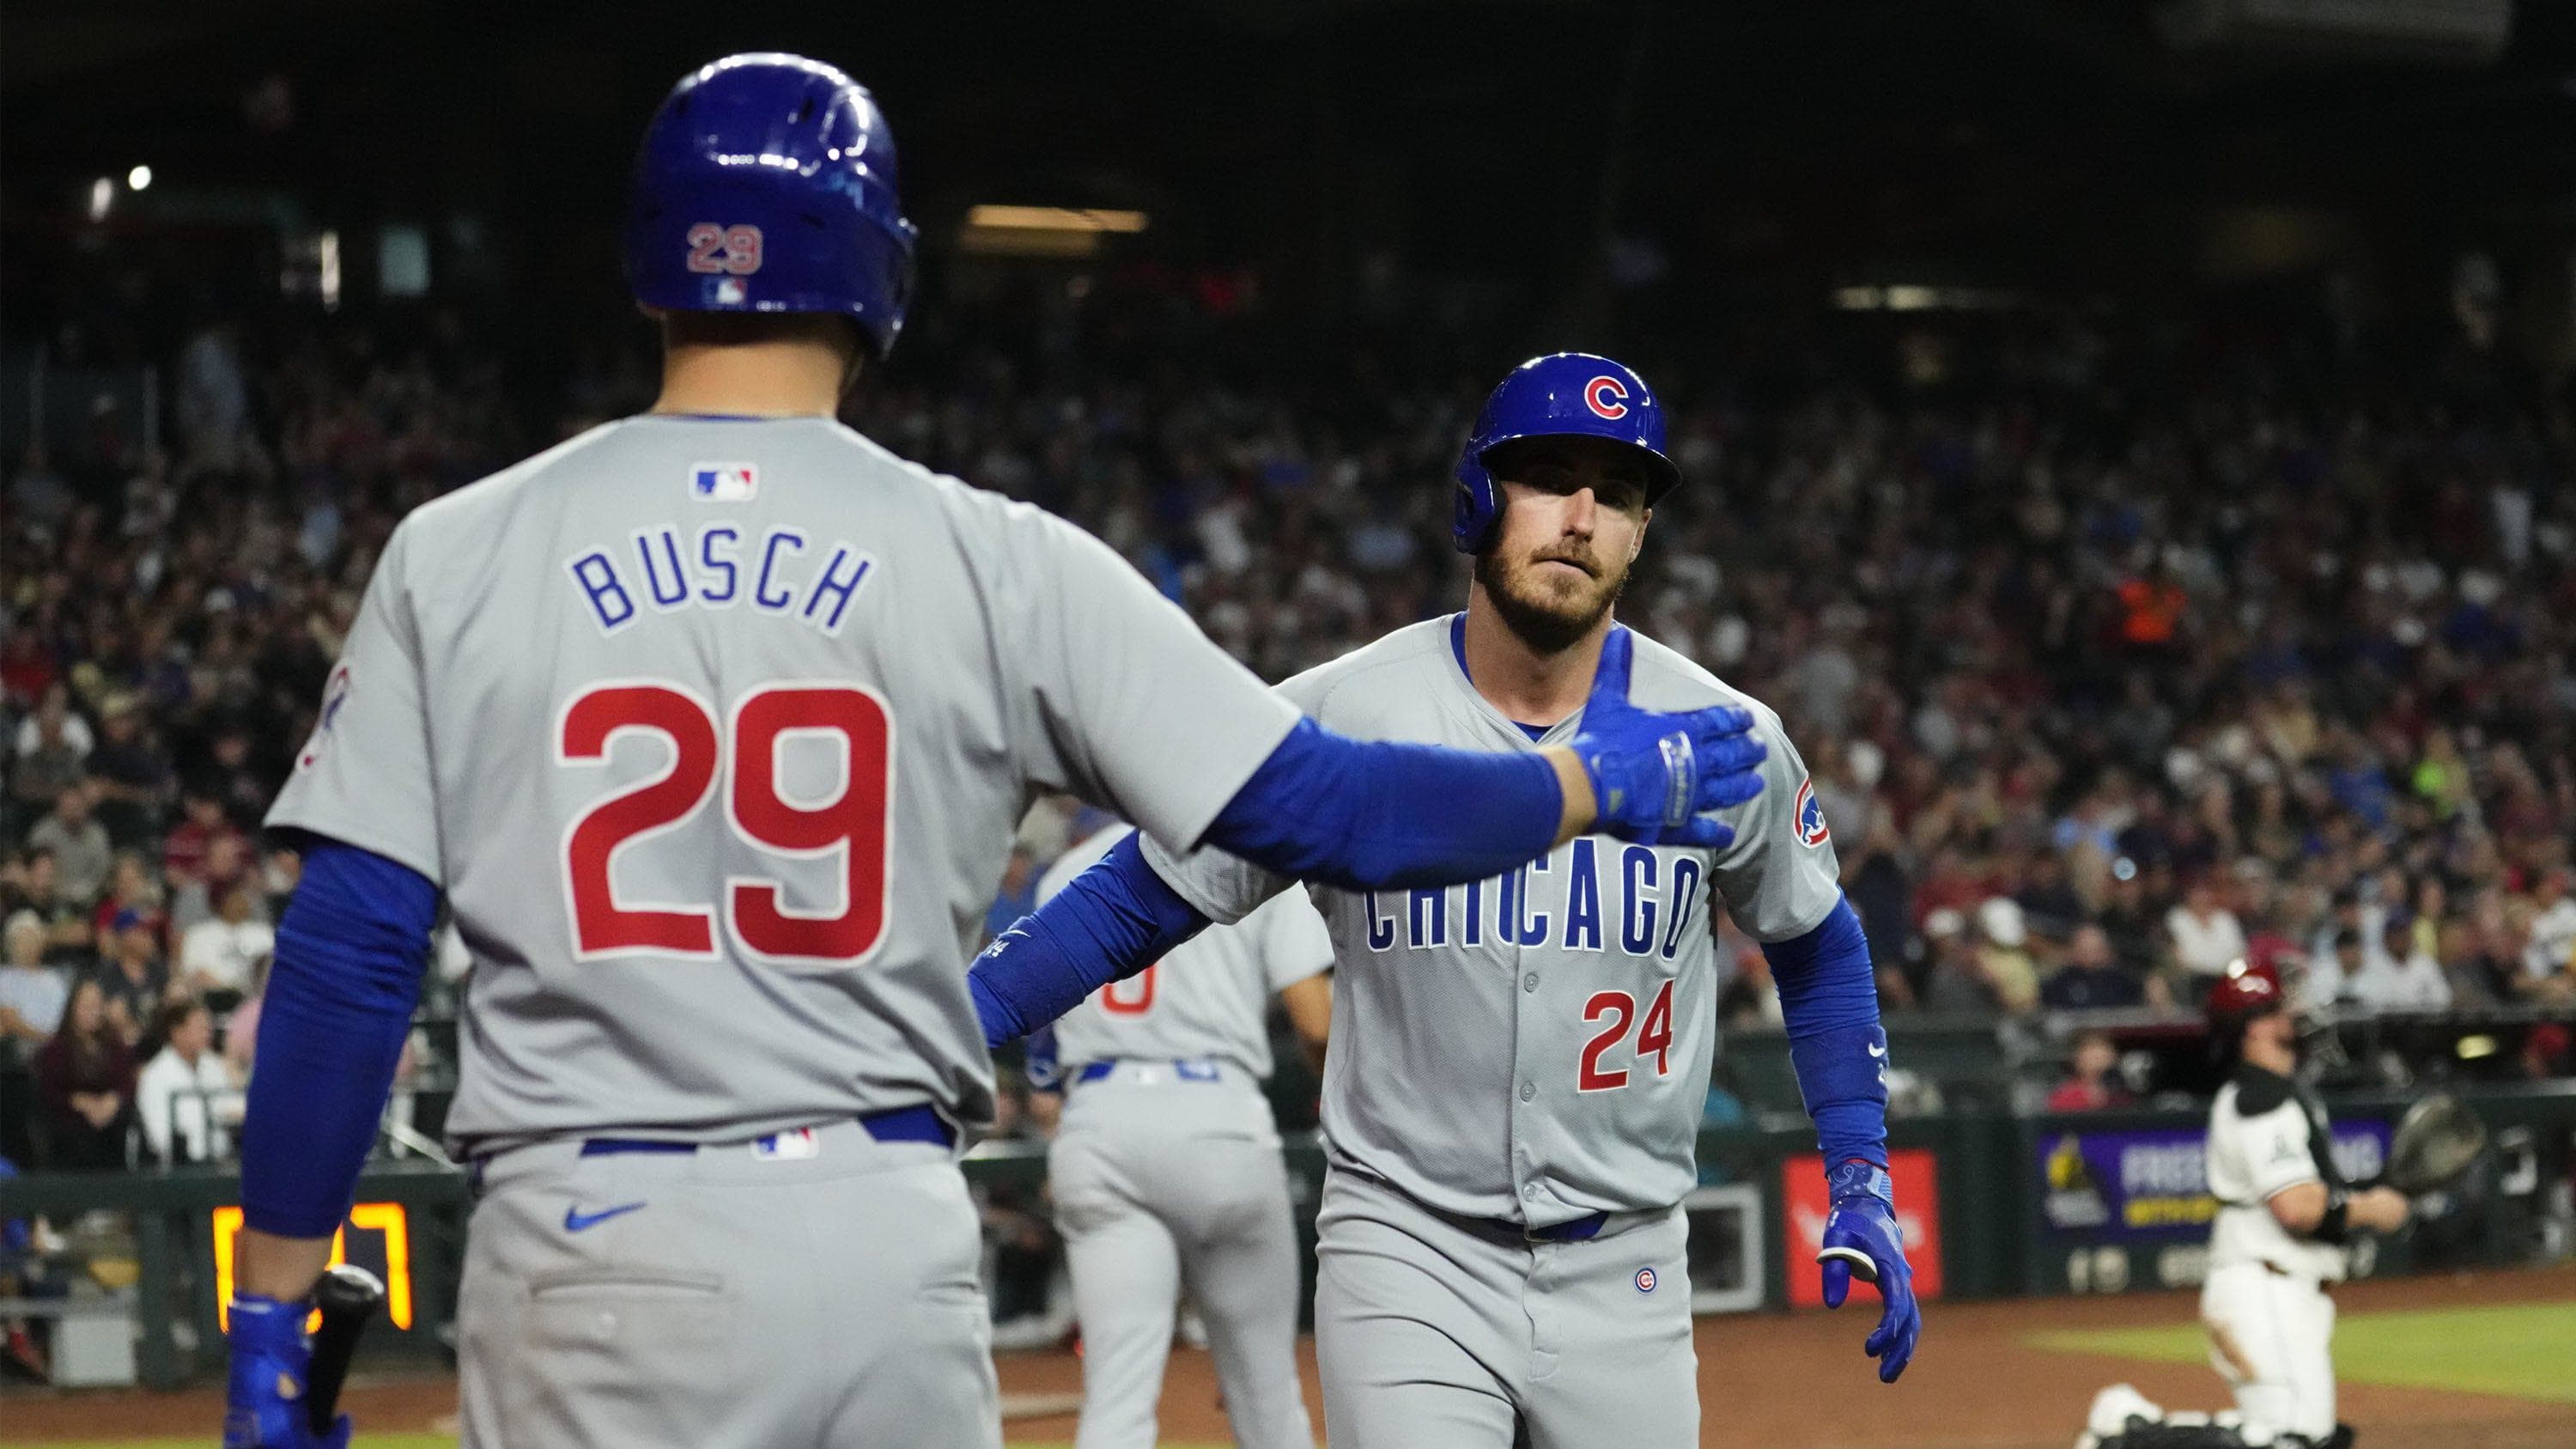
x=575 y=1219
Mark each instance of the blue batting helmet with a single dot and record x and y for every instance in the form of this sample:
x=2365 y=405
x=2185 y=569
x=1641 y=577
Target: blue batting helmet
x=1561 y=394
x=766 y=183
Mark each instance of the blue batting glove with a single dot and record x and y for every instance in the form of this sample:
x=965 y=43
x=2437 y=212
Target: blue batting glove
x=264 y=1398
x=1655 y=777
x=1861 y=1236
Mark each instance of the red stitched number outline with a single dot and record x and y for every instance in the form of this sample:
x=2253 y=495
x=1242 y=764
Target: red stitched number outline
x=851 y=824
x=1654 y=1037
x=1133 y=996
x=714 y=250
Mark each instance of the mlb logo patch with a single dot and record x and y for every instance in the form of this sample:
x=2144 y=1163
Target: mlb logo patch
x=793 y=1146
x=723 y=482
x=730 y=292
x=1810 y=814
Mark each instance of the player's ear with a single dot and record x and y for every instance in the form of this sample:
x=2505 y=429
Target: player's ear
x=1637 y=545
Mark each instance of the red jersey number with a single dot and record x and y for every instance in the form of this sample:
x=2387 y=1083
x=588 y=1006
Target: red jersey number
x=849 y=826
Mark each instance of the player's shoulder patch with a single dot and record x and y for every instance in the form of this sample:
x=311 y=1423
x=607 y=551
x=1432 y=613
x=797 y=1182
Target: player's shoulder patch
x=1809 y=812
x=335 y=693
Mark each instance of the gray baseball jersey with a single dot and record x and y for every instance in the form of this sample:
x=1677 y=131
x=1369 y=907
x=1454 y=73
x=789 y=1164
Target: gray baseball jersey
x=714 y=732
x=1166 y=1173
x=1534 y=1047
x=1209 y=999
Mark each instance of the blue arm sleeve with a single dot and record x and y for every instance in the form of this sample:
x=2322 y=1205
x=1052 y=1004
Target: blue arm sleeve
x=1371 y=814
x=1829 y=1000
x=1113 y=921
x=331 y=1027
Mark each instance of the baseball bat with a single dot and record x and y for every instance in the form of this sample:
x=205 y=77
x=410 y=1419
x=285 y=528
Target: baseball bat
x=348 y=1296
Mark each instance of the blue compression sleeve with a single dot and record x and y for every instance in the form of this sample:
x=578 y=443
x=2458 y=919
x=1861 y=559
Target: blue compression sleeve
x=1370 y=814
x=1829 y=999
x=331 y=1027
x=1113 y=921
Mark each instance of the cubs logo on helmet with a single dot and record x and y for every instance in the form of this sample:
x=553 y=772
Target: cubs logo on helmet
x=1810 y=814
x=1607 y=396
x=1564 y=394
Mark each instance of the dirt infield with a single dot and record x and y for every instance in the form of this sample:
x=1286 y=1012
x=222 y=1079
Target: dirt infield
x=1769 y=1380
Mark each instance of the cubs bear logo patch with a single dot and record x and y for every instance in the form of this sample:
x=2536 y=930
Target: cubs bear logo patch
x=1810 y=814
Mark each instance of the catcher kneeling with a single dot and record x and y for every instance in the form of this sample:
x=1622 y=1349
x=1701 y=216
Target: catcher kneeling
x=2285 y=1215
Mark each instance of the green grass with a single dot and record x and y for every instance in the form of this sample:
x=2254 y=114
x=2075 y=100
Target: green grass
x=2518 y=1349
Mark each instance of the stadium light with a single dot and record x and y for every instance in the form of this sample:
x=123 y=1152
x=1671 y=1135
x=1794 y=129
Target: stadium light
x=102 y=192
x=138 y=179
x=1055 y=218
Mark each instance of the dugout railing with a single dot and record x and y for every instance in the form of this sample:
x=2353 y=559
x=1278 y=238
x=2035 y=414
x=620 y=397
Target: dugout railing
x=1995 y=1202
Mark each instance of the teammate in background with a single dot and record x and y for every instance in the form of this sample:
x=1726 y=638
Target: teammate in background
x=711 y=727
x=1518 y=1065
x=2284 y=1217
x=1166 y=1171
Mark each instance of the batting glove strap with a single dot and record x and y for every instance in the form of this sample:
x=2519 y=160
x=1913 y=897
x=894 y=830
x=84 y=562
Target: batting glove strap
x=1860 y=1178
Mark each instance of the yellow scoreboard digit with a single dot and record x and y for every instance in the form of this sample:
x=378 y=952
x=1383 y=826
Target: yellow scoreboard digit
x=384 y=1245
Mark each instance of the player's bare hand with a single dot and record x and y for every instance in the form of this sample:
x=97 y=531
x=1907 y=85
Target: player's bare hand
x=1655 y=777
x=1861 y=1236
x=2378 y=1209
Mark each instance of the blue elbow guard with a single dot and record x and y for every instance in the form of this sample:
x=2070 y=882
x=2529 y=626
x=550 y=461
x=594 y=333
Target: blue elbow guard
x=1829 y=1002
x=1374 y=814
x=1113 y=921
x=331 y=1028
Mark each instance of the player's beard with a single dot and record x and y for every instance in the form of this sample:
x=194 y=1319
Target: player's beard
x=1548 y=609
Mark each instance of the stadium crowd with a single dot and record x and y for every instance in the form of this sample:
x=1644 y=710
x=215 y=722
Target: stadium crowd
x=2117 y=654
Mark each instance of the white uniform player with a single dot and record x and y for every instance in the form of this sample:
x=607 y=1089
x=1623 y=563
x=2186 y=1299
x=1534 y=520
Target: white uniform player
x=2283 y=1216
x=1166 y=1172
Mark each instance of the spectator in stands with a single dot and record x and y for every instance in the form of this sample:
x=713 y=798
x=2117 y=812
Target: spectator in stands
x=241 y=1025
x=2331 y=973
x=185 y=850
x=32 y=994
x=215 y=955
x=2549 y=949
x=132 y=980
x=2203 y=934
x=2093 y=1084
x=185 y=1095
x=131 y=777
x=2090 y=979
x=2003 y=955
x=130 y=887
x=79 y=846
x=85 y=1082
x=1954 y=975
x=2404 y=976
x=29 y=886
x=227 y=863
x=49 y=755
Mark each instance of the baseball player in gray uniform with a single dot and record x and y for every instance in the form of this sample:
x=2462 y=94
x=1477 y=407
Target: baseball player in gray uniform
x=1512 y=1100
x=1166 y=1173
x=711 y=726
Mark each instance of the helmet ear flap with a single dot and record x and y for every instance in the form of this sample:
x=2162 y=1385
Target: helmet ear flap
x=1472 y=522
